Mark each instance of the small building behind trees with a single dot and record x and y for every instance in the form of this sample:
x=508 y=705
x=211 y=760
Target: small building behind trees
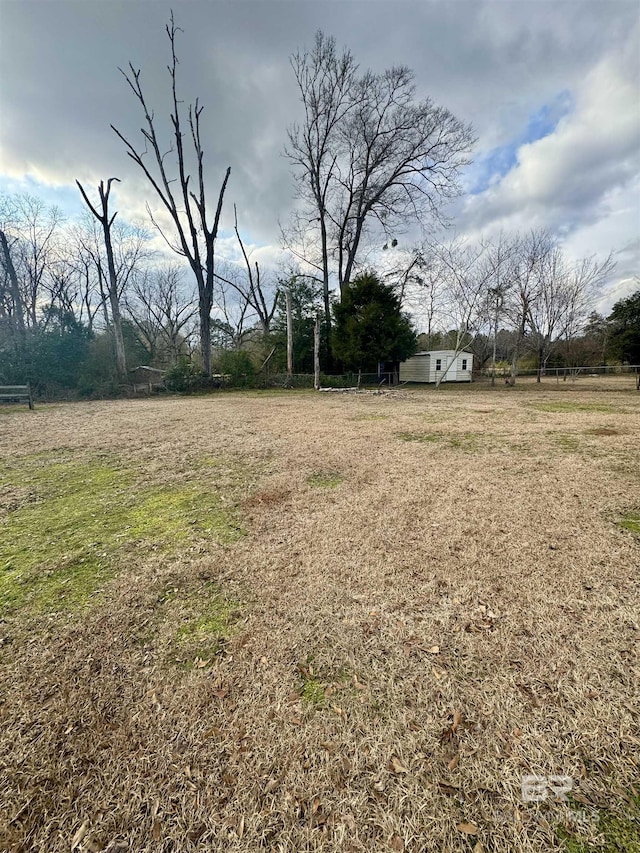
x=437 y=366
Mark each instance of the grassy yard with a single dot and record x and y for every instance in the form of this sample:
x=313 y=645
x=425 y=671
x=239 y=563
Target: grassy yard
x=337 y=622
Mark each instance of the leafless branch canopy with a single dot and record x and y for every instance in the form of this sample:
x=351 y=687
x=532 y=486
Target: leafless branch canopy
x=184 y=202
x=368 y=155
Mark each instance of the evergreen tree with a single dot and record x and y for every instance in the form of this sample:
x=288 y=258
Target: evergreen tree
x=624 y=329
x=370 y=326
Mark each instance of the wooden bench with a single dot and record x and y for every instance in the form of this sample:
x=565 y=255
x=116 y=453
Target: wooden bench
x=16 y=394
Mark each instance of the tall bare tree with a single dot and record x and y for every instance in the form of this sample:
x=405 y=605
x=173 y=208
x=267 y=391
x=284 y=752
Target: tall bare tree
x=38 y=249
x=115 y=278
x=327 y=82
x=250 y=287
x=466 y=277
x=124 y=249
x=11 y=309
x=30 y=246
x=498 y=262
x=186 y=207
x=530 y=253
x=584 y=282
x=550 y=299
x=367 y=155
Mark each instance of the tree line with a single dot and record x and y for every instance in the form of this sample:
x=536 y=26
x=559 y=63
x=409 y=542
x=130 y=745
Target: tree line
x=83 y=302
x=517 y=300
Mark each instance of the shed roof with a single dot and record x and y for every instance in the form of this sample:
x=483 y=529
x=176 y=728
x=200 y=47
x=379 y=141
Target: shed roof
x=442 y=352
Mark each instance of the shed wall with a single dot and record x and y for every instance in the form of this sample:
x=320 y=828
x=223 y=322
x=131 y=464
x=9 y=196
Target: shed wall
x=415 y=369
x=422 y=368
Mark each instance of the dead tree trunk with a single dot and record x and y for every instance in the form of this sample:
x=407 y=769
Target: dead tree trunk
x=316 y=353
x=287 y=294
x=114 y=301
x=14 y=288
x=186 y=207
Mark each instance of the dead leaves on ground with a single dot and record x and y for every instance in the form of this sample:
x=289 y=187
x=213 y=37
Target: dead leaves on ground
x=448 y=734
x=483 y=621
x=415 y=644
x=396 y=766
x=453 y=763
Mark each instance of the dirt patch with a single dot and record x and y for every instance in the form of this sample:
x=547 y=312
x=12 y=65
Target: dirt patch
x=267 y=498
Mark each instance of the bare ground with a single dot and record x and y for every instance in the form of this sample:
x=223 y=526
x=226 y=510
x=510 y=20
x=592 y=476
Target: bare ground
x=433 y=597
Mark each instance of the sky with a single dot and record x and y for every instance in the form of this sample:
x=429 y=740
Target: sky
x=552 y=90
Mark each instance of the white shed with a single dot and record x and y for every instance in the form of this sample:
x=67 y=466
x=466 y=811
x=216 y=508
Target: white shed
x=446 y=365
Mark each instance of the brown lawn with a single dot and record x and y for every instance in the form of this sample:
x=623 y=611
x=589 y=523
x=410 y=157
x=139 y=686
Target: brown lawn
x=385 y=611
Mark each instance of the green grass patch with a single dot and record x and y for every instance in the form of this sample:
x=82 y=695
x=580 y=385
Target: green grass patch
x=565 y=441
x=200 y=638
x=631 y=521
x=618 y=832
x=326 y=480
x=571 y=406
x=468 y=442
x=423 y=437
x=313 y=692
x=370 y=417
x=471 y=442
x=74 y=519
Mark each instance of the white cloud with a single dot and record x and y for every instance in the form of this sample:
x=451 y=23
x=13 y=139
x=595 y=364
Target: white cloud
x=583 y=180
x=491 y=63
x=566 y=177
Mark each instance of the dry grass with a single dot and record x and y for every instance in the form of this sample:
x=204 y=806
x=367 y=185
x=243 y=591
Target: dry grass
x=405 y=629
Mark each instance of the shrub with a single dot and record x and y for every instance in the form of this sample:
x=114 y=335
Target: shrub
x=237 y=368
x=184 y=377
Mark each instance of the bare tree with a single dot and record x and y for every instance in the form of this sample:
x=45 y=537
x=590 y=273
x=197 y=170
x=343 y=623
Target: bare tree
x=498 y=262
x=548 y=307
x=186 y=208
x=550 y=300
x=39 y=226
x=11 y=308
x=583 y=284
x=230 y=324
x=403 y=159
x=529 y=257
x=162 y=311
x=63 y=290
x=316 y=353
x=420 y=281
x=367 y=155
x=466 y=278
x=327 y=82
x=250 y=287
x=106 y=221
x=29 y=247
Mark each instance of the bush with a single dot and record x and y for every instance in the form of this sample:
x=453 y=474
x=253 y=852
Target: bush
x=345 y=380
x=236 y=368
x=185 y=378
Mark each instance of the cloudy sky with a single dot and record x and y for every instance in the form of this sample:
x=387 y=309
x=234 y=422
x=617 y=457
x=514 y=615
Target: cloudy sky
x=552 y=90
